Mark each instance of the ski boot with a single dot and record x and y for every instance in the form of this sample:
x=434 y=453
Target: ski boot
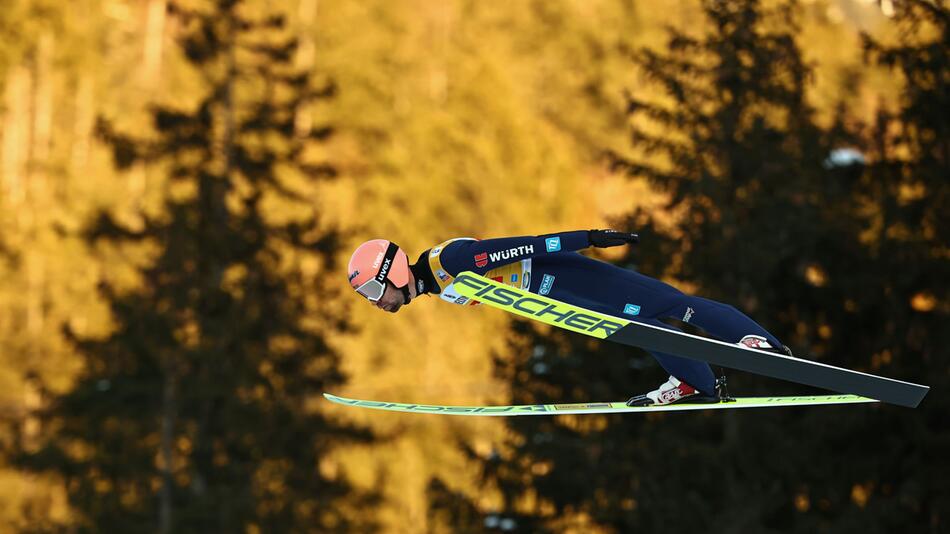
x=760 y=343
x=673 y=391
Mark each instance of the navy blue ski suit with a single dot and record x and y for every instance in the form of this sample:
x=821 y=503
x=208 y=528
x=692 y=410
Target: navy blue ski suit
x=558 y=271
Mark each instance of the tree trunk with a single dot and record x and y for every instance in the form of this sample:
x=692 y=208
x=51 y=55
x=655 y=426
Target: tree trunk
x=82 y=128
x=42 y=120
x=165 y=511
x=16 y=132
x=154 y=43
x=306 y=54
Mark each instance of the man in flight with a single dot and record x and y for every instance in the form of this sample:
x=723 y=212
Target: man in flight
x=549 y=265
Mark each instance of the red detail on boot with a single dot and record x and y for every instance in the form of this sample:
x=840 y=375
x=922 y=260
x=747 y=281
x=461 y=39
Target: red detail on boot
x=679 y=392
x=755 y=342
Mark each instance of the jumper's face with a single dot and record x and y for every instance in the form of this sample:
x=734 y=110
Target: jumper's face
x=391 y=300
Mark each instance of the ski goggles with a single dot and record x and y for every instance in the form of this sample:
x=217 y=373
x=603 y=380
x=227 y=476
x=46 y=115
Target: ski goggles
x=374 y=288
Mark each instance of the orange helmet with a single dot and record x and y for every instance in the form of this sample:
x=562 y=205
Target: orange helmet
x=373 y=263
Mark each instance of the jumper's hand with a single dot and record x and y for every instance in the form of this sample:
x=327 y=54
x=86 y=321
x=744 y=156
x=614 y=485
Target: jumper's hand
x=611 y=238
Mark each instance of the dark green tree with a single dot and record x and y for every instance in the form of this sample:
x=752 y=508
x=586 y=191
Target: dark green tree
x=899 y=282
x=196 y=413
x=842 y=262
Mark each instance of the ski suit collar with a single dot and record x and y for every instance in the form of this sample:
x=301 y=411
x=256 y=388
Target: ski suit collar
x=425 y=280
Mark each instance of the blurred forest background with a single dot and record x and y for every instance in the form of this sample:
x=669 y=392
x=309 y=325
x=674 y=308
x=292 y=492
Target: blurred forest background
x=181 y=183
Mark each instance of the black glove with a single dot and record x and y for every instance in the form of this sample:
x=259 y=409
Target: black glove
x=611 y=238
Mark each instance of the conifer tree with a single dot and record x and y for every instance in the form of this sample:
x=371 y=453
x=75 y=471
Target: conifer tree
x=895 y=293
x=844 y=262
x=736 y=149
x=196 y=414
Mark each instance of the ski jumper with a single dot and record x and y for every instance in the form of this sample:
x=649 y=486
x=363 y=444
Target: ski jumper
x=549 y=265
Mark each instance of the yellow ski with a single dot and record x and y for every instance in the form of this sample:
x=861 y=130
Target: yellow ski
x=597 y=407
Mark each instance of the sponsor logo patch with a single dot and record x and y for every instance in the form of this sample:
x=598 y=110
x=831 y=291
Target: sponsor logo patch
x=384 y=270
x=435 y=252
x=544 y=310
x=420 y=286
x=590 y=406
x=526 y=280
x=670 y=396
x=514 y=278
x=481 y=260
x=511 y=253
x=689 y=314
x=631 y=309
x=547 y=282
x=354 y=274
x=444 y=276
x=552 y=244
x=461 y=300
